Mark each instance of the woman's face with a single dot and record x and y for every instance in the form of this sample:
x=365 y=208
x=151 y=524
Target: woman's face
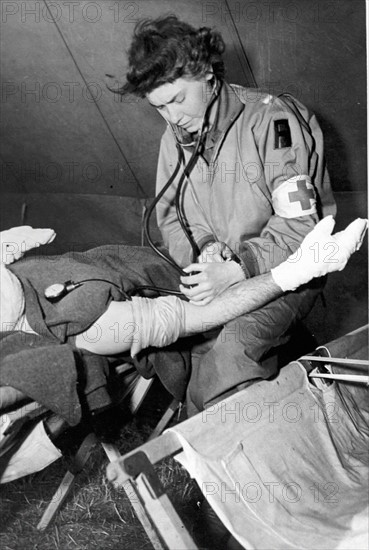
x=183 y=102
x=11 y=300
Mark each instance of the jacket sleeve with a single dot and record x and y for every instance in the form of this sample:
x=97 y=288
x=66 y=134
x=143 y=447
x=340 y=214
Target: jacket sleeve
x=294 y=182
x=174 y=238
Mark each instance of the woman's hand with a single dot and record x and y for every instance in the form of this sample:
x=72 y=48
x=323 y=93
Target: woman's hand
x=208 y=280
x=215 y=252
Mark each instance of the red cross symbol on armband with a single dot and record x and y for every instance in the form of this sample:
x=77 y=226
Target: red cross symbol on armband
x=302 y=195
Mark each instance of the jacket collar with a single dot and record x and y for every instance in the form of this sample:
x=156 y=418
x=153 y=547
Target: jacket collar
x=228 y=107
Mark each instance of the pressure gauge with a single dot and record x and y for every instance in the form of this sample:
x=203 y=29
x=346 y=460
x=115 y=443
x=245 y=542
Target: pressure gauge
x=56 y=291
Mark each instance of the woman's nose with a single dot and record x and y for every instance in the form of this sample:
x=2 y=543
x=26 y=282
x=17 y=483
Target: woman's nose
x=174 y=114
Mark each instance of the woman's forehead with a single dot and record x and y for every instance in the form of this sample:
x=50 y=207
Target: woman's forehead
x=168 y=92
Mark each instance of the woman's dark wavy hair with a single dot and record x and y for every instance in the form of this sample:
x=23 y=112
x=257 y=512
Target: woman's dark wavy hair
x=165 y=49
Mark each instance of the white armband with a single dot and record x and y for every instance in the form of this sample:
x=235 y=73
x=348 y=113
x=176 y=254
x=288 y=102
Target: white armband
x=294 y=198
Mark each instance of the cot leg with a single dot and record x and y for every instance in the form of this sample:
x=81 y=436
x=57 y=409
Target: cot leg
x=165 y=419
x=113 y=454
x=141 y=514
x=66 y=484
x=157 y=504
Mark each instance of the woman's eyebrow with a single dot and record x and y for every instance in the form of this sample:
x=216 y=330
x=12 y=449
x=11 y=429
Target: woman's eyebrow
x=174 y=98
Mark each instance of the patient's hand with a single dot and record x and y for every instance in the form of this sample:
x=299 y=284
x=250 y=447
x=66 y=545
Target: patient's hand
x=17 y=240
x=320 y=253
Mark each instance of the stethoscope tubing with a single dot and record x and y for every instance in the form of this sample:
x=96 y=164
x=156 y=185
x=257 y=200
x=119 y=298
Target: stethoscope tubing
x=187 y=169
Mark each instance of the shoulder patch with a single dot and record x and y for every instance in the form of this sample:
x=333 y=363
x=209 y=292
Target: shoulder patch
x=282 y=134
x=295 y=197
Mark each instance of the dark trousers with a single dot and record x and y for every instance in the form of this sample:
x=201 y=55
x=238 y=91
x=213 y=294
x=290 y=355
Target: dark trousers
x=233 y=357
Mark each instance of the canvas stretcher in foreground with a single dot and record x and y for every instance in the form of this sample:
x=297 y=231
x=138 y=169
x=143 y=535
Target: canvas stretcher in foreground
x=283 y=462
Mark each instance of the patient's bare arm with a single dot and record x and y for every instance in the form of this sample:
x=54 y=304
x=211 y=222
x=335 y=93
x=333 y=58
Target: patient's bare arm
x=159 y=322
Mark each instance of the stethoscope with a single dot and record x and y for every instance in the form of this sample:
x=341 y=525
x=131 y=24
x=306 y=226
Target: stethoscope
x=57 y=291
x=186 y=171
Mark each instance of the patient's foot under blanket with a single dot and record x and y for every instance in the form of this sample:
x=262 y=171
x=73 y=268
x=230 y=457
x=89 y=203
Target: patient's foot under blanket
x=45 y=365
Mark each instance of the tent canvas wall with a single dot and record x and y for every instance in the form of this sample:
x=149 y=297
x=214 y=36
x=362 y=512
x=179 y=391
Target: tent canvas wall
x=77 y=158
